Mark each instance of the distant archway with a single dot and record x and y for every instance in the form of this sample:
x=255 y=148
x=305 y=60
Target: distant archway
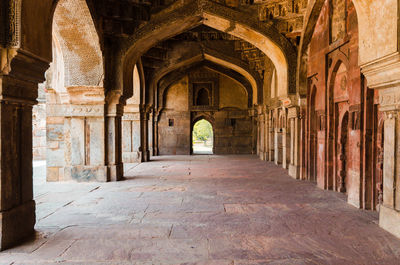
x=202 y=137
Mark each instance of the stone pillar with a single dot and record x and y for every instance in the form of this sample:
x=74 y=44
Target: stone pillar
x=261 y=133
x=266 y=134
x=151 y=132
x=75 y=138
x=131 y=134
x=155 y=135
x=284 y=140
x=55 y=137
x=277 y=146
x=113 y=137
x=294 y=166
x=19 y=90
x=271 y=137
x=253 y=115
x=384 y=75
x=302 y=144
x=144 y=134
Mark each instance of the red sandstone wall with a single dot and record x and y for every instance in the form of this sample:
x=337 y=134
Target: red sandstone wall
x=333 y=69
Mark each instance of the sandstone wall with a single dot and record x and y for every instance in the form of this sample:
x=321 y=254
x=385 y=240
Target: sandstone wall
x=230 y=118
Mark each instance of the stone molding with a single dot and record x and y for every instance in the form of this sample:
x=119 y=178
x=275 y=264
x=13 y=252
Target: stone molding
x=60 y=110
x=389 y=99
x=86 y=95
x=131 y=117
x=383 y=72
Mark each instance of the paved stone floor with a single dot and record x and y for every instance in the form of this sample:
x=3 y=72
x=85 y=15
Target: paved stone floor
x=200 y=210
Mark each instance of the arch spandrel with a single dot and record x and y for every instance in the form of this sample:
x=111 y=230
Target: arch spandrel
x=81 y=50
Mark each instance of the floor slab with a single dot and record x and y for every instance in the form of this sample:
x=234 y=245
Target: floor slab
x=200 y=210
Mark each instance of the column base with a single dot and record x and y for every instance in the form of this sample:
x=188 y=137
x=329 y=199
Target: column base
x=294 y=171
x=271 y=156
x=389 y=219
x=86 y=173
x=17 y=224
x=146 y=156
x=115 y=172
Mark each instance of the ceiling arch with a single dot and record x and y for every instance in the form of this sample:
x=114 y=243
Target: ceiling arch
x=214 y=57
x=195 y=13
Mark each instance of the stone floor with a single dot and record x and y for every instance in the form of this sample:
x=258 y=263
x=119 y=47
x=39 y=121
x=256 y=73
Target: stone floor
x=200 y=210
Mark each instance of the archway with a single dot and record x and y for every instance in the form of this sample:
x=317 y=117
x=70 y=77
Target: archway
x=378 y=180
x=342 y=154
x=202 y=138
x=312 y=137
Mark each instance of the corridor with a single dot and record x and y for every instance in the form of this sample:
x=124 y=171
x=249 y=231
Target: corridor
x=200 y=210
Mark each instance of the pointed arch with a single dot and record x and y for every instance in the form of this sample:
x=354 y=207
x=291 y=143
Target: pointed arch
x=241 y=25
x=217 y=59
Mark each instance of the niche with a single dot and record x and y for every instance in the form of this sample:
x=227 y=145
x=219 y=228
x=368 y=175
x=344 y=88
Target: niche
x=203 y=97
x=202 y=94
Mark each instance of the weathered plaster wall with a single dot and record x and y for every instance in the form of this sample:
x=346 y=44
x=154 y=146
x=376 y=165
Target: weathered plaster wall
x=231 y=93
x=175 y=139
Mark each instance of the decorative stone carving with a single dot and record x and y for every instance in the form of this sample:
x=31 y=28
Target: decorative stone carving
x=75 y=110
x=14 y=27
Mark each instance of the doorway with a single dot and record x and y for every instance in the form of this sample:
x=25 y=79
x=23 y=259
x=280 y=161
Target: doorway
x=202 y=138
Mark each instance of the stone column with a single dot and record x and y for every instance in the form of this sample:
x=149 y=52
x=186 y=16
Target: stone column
x=294 y=166
x=271 y=137
x=144 y=134
x=302 y=144
x=76 y=130
x=384 y=75
x=253 y=115
x=261 y=136
x=266 y=134
x=284 y=140
x=131 y=134
x=155 y=135
x=278 y=142
x=113 y=136
x=151 y=133
x=84 y=134
x=19 y=90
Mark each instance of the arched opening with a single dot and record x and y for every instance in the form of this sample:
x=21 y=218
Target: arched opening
x=131 y=123
x=202 y=138
x=313 y=133
x=203 y=97
x=342 y=152
x=378 y=180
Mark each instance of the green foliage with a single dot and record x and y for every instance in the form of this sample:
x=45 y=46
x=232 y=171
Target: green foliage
x=202 y=131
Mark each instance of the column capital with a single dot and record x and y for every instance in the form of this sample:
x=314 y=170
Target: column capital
x=383 y=72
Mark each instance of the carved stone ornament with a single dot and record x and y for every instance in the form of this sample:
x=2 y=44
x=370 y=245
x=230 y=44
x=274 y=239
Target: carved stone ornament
x=14 y=26
x=75 y=110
